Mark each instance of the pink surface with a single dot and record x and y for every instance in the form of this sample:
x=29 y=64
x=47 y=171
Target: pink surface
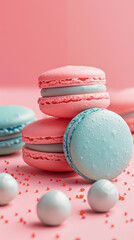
x=19 y=220
x=40 y=35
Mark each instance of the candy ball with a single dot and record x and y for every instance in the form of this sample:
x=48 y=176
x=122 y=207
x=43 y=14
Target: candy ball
x=8 y=188
x=102 y=196
x=53 y=208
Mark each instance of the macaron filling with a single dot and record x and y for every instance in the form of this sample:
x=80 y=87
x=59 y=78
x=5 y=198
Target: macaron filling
x=53 y=148
x=10 y=136
x=64 y=91
x=11 y=142
x=125 y=115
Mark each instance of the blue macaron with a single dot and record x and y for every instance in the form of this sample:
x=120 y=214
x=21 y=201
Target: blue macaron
x=12 y=120
x=98 y=144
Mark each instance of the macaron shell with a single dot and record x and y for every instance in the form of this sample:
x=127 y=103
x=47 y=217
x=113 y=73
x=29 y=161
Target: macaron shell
x=71 y=76
x=45 y=131
x=11 y=149
x=108 y=148
x=122 y=101
x=14 y=116
x=130 y=122
x=46 y=161
x=70 y=106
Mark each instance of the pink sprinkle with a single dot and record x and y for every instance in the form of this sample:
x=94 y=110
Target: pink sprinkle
x=107 y=214
x=64 y=184
x=82 y=189
x=83 y=216
x=33 y=235
x=57 y=236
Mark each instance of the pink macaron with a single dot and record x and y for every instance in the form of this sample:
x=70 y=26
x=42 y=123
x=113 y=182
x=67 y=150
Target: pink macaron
x=69 y=90
x=43 y=147
x=122 y=102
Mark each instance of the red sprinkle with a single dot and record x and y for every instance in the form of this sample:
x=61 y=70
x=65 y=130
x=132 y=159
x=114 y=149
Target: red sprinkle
x=33 y=235
x=82 y=189
x=21 y=219
x=82 y=212
x=121 y=198
x=57 y=236
x=64 y=184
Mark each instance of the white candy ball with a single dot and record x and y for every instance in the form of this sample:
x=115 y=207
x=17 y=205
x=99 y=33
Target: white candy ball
x=102 y=196
x=53 y=208
x=8 y=188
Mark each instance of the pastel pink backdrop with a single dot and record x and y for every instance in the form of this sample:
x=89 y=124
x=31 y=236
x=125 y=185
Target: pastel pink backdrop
x=39 y=35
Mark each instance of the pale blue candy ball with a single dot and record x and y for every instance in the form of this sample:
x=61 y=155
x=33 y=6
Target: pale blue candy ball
x=53 y=208
x=8 y=188
x=102 y=196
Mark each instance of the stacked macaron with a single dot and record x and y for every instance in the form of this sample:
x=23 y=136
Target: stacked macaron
x=12 y=120
x=69 y=90
x=65 y=92
x=122 y=102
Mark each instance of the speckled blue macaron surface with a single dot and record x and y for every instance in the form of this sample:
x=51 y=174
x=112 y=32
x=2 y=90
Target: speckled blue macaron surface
x=12 y=120
x=98 y=144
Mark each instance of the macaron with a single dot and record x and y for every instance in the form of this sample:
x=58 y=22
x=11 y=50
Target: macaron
x=122 y=102
x=69 y=90
x=43 y=147
x=98 y=144
x=12 y=120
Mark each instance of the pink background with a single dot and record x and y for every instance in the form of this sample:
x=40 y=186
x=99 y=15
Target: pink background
x=39 y=35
